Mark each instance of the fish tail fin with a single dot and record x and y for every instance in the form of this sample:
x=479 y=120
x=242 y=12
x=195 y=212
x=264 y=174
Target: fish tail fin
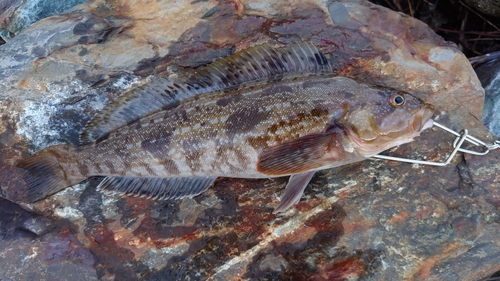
x=45 y=175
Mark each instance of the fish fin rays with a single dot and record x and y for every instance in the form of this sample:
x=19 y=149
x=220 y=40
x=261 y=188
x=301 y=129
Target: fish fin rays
x=159 y=94
x=300 y=155
x=262 y=61
x=44 y=174
x=249 y=65
x=294 y=190
x=157 y=188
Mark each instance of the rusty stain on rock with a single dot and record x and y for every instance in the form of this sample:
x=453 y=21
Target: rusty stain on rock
x=369 y=220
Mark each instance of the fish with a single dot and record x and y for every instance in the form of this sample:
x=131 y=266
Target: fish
x=262 y=112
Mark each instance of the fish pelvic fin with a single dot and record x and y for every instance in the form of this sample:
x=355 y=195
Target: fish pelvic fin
x=293 y=191
x=44 y=173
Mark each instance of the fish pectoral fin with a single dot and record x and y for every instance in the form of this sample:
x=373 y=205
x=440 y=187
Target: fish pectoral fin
x=293 y=190
x=304 y=154
x=157 y=188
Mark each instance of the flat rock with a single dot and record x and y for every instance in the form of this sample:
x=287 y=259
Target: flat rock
x=374 y=220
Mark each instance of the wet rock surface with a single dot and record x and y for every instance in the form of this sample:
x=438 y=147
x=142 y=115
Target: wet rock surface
x=374 y=220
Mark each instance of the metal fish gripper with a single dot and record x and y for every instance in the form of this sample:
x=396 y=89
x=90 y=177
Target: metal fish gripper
x=461 y=137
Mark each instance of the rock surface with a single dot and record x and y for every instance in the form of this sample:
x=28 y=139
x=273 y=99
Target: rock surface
x=489 y=7
x=489 y=74
x=15 y=15
x=375 y=220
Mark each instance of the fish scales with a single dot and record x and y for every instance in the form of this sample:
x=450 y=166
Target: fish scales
x=262 y=112
x=222 y=133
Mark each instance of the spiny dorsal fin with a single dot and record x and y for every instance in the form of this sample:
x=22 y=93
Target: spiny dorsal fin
x=158 y=94
x=157 y=188
x=248 y=65
x=262 y=61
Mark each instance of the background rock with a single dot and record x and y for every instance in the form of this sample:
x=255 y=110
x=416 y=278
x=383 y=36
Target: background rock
x=489 y=7
x=489 y=75
x=373 y=220
x=15 y=15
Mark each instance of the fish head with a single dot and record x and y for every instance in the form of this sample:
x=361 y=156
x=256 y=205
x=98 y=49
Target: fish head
x=387 y=119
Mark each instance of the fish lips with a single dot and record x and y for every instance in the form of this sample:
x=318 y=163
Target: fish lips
x=422 y=119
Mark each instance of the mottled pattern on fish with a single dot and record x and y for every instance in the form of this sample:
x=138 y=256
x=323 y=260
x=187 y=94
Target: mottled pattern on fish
x=256 y=114
x=222 y=133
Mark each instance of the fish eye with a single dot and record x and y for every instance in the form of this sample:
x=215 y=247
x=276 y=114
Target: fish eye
x=397 y=100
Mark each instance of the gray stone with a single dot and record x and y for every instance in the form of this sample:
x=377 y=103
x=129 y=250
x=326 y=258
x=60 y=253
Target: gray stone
x=16 y=15
x=489 y=7
x=374 y=220
x=489 y=75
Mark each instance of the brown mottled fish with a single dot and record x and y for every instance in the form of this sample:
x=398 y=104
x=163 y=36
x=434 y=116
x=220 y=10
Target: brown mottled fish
x=260 y=113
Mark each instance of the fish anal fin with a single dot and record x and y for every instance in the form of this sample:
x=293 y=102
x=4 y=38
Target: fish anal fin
x=293 y=190
x=157 y=188
x=304 y=154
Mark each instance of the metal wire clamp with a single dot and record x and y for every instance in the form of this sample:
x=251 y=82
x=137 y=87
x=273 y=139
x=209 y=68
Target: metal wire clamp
x=457 y=143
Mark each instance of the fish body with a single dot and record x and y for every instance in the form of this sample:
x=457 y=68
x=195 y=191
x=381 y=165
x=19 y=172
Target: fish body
x=286 y=124
x=223 y=133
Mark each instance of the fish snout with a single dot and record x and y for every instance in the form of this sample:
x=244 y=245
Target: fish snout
x=422 y=119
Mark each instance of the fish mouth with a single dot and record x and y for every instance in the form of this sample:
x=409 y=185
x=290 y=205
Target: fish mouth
x=422 y=119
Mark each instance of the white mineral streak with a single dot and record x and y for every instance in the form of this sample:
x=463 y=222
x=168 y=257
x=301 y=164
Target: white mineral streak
x=35 y=117
x=68 y=212
x=109 y=208
x=158 y=258
x=440 y=54
x=68 y=209
x=294 y=223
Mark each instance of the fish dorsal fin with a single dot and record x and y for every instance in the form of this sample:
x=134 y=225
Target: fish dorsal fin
x=262 y=61
x=157 y=188
x=156 y=95
x=253 y=64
